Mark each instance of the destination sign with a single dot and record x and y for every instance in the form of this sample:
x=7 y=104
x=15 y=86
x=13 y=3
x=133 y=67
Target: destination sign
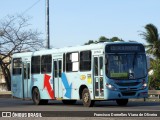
x=125 y=48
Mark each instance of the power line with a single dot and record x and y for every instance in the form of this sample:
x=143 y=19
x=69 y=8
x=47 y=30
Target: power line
x=31 y=7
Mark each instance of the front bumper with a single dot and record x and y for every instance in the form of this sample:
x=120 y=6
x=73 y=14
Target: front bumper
x=111 y=95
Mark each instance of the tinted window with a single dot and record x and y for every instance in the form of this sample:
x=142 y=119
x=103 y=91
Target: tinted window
x=17 y=66
x=85 y=60
x=55 y=69
x=64 y=63
x=72 y=62
x=35 y=64
x=27 y=71
x=60 y=68
x=46 y=63
x=96 y=66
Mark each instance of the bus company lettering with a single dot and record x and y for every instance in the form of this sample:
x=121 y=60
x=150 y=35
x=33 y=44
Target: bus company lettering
x=97 y=52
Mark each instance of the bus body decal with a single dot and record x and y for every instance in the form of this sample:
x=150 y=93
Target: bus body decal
x=67 y=86
x=48 y=86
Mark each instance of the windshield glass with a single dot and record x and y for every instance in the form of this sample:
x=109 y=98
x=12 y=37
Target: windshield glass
x=126 y=66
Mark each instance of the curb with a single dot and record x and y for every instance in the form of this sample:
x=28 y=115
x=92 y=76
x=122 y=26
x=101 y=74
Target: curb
x=5 y=94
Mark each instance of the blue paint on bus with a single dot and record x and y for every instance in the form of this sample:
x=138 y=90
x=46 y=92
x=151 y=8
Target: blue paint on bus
x=67 y=86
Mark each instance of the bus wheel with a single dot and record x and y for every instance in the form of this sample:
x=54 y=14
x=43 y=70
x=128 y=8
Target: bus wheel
x=122 y=102
x=69 y=102
x=36 y=97
x=87 y=102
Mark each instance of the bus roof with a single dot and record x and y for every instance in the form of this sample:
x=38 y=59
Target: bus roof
x=68 y=49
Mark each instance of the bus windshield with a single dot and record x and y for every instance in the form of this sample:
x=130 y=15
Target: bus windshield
x=126 y=66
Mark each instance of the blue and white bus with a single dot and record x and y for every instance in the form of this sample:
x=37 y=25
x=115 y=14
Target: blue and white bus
x=105 y=71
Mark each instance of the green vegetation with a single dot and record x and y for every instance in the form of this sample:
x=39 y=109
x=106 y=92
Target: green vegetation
x=103 y=39
x=153 y=48
x=153 y=41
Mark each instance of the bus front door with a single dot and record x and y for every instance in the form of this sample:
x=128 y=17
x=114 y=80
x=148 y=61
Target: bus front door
x=26 y=80
x=98 y=77
x=57 y=71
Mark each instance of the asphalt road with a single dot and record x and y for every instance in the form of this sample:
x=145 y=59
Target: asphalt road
x=12 y=104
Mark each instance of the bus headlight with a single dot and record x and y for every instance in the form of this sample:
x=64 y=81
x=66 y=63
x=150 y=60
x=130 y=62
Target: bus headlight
x=111 y=87
x=144 y=85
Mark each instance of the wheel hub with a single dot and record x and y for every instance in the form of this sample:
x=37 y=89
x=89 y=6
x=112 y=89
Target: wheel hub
x=86 y=97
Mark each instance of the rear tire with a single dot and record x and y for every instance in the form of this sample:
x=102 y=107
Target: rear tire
x=87 y=102
x=36 y=98
x=69 y=102
x=122 y=102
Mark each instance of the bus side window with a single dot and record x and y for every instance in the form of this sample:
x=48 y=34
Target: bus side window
x=17 y=66
x=85 y=61
x=55 y=69
x=46 y=63
x=60 y=68
x=96 y=66
x=72 y=62
x=101 y=65
x=64 y=62
x=27 y=71
x=35 y=67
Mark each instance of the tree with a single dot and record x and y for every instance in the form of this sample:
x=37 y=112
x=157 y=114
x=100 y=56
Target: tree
x=154 y=79
x=89 y=42
x=152 y=38
x=103 y=39
x=116 y=39
x=15 y=37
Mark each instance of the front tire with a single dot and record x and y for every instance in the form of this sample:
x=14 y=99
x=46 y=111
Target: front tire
x=122 y=102
x=87 y=102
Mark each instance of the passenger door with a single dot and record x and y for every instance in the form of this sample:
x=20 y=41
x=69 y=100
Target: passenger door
x=98 y=77
x=26 y=78
x=57 y=72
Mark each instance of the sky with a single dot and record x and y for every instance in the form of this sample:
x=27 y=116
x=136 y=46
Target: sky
x=75 y=22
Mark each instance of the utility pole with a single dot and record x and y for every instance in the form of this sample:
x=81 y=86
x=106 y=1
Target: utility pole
x=47 y=26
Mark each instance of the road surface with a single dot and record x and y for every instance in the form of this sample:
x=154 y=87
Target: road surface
x=12 y=104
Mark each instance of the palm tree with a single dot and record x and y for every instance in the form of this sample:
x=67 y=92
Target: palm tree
x=152 y=38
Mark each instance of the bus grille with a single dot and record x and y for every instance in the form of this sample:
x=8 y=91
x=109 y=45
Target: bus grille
x=128 y=84
x=128 y=93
